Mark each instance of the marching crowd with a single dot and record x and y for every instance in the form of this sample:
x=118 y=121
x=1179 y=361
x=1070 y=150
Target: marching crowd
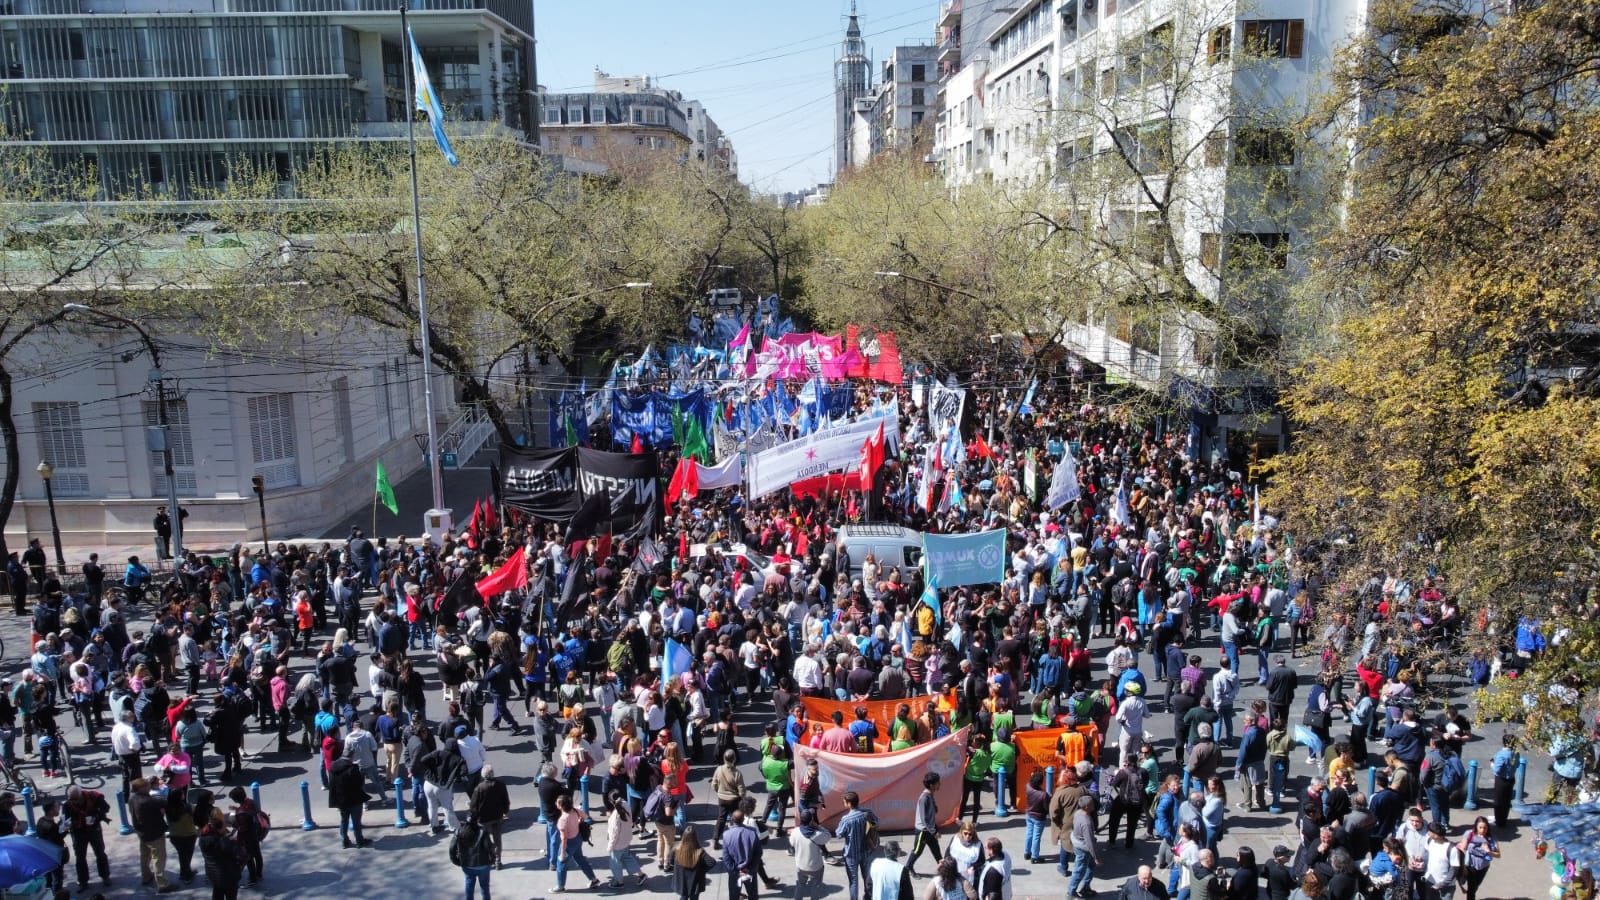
x=1097 y=628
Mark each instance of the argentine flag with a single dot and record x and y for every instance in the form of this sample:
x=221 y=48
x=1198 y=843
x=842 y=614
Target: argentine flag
x=930 y=596
x=675 y=660
x=427 y=101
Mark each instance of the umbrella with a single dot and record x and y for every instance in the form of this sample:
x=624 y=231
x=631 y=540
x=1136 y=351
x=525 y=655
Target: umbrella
x=1574 y=830
x=24 y=858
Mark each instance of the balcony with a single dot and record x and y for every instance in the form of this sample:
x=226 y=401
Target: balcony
x=949 y=14
x=950 y=53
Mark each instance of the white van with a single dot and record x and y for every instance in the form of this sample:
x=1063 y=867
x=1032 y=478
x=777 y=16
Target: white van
x=891 y=545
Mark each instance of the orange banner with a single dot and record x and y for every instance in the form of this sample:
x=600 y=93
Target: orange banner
x=1036 y=749
x=889 y=783
x=881 y=712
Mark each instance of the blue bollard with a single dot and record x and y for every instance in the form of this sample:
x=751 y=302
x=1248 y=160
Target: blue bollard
x=27 y=804
x=1372 y=781
x=1517 y=794
x=122 y=813
x=400 y=803
x=1000 y=783
x=1472 y=786
x=255 y=794
x=583 y=785
x=305 y=807
x=1050 y=780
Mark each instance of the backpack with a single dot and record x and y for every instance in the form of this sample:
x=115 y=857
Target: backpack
x=1452 y=774
x=1131 y=791
x=654 y=805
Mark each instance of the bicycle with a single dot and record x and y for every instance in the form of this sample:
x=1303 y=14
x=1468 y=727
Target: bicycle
x=14 y=779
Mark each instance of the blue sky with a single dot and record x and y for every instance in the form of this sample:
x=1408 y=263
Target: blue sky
x=763 y=69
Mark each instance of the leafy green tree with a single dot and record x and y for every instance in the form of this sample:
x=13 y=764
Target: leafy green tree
x=1451 y=422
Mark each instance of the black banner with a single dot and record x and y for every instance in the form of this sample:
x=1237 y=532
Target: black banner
x=552 y=485
x=632 y=481
x=541 y=483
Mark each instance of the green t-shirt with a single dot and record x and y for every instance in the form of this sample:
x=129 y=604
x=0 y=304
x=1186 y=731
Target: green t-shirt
x=775 y=769
x=978 y=766
x=1002 y=755
x=1006 y=720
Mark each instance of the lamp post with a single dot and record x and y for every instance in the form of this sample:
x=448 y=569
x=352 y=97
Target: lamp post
x=45 y=471
x=156 y=378
x=259 y=485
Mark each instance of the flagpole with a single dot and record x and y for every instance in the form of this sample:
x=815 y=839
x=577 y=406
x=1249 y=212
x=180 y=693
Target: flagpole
x=434 y=472
x=374 y=513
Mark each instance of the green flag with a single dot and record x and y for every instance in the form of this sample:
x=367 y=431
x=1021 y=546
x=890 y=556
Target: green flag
x=677 y=425
x=694 y=440
x=386 y=490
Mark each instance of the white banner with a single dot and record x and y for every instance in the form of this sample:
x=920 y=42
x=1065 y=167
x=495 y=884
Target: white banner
x=773 y=470
x=945 y=404
x=864 y=427
x=728 y=473
x=1064 y=484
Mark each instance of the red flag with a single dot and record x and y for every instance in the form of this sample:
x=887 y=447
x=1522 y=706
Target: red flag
x=871 y=457
x=981 y=448
x=683 y=546
x=685 y=481
x=509 y=577
x=637 y=446
x=885 y=366
x=802 y=544
x=491 y=520
x=602 y=547
x=857 y=367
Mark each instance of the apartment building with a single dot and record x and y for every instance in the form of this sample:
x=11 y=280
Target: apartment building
x=629 y=114
x=166 y=95
x=1104 y=99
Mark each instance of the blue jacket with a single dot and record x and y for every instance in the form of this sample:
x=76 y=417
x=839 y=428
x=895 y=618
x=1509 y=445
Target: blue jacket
x=1252 y=746
x=1050 y=670
x=1166 y=825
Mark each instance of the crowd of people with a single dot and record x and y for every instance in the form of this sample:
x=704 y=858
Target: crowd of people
x=1097 y=628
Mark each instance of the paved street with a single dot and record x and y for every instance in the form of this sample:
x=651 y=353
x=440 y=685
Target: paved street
x=410 y=860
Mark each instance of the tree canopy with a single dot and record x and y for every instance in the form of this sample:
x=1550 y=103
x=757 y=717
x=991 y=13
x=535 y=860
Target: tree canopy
x=1451 y=427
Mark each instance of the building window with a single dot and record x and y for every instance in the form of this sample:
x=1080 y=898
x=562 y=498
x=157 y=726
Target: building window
x=1263 y=147
x=919 y=73
x=272 y=443
x=917 y=97
x=1276 y=38
x=1219 y=46
x=638 y=116
x=1210 y=250
x=60 y=433
x=182 y=444
x=1269 y=250
x=574 y=115
x=916 y=118
x=597 y=115
x=342 y=411
x=552 y=115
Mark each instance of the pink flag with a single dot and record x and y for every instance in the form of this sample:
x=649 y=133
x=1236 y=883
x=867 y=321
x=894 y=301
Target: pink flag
x=742 y=338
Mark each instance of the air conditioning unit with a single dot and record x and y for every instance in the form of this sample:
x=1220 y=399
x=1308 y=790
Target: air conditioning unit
x=1089 y=5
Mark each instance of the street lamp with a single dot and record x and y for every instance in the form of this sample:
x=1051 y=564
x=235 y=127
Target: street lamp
x=156 y=378
x=259 y=485
x=46 y=470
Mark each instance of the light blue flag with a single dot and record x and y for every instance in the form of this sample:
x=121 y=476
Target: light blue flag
x=958 y=559
x=675 y=660
x=1027 y=399
x=427 y=101
x=930 y=596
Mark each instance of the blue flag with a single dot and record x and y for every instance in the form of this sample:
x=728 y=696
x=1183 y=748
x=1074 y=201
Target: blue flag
x=427 y=101
x=930 y=596
x=675 y=660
